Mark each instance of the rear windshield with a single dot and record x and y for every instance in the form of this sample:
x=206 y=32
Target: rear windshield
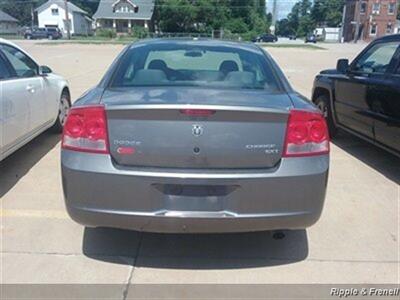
x=176 y=64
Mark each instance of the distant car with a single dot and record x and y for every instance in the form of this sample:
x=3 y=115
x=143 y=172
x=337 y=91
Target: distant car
x=292 y=37
x=51 y=33
x=194 y=136
x=32 y=100
x=265 y=38
x=311 y=38
x=363 y=97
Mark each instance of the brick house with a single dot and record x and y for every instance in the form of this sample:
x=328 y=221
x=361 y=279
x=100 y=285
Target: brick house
x=377 y=18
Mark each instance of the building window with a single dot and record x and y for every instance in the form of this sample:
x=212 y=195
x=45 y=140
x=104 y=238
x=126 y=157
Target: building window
x=126 y=9
x=391 y=8
x=373 y=30
x=363 y=8
x=54 y=11
x=389 y=28
x=376 y=8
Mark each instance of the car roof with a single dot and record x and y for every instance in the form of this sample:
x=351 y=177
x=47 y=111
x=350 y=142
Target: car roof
x=7 y=42
x=198 y=42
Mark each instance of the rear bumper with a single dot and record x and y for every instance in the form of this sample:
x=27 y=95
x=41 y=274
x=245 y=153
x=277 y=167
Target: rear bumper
x=99 y=194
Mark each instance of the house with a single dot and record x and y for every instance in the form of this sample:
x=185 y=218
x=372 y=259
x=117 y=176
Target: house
x=52 y=14
x=372 y=19
x=122 y=15
x=8 y=24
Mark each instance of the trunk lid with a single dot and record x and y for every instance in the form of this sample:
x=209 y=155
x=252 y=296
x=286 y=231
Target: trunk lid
x=156 y=128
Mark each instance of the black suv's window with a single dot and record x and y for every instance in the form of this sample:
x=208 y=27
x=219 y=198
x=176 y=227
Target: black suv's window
x=377 y=59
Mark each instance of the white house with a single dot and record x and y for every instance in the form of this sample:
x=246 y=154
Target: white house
x=52 y=14
x=122 y=15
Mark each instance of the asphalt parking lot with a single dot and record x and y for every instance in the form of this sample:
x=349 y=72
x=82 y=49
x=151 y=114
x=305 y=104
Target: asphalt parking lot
x=357 y=240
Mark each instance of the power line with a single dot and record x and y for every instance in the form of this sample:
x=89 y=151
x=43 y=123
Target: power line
x=152 y=5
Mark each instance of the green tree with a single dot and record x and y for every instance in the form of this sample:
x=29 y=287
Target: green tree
x=21 y=10
x=306 y=25
x=236 y=16
x=327 y=12
x=283 y=28
x=237 y=25
x=306 y=15
x=211 y=14
x=89 y=6
x=175 y=15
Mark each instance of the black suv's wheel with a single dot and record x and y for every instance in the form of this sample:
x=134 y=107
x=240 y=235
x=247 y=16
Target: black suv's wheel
x=65 y=105
x=324 y=105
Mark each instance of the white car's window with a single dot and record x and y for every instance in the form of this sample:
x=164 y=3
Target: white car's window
x=3 y=69
x=377 y=58
x=22 y=64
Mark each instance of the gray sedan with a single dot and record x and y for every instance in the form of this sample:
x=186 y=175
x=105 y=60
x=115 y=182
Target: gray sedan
x=194 y=136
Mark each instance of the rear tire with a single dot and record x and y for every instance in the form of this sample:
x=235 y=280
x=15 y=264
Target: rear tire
x=324 y=105
x=65 y=105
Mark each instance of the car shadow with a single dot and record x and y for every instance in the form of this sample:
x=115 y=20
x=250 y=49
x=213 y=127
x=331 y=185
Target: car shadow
x=194 y=251
x=382 y=161
x=15 y=166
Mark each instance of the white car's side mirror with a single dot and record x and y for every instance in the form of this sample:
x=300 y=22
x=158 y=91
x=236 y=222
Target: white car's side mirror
x=44 y=70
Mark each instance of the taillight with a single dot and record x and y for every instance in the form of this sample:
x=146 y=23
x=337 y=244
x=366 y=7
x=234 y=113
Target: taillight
x=85 y=130
x=306 y=134
x=197 y=112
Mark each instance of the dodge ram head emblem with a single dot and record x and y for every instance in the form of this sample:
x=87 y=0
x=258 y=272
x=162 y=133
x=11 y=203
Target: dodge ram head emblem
x=197 y=130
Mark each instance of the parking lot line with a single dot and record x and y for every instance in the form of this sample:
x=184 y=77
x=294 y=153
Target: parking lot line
x=19 y=213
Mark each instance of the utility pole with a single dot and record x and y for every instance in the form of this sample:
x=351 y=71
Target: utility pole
x=67 y=23
x=358 y=21
x=342 y=30
x=274 y=15
x=32 y=16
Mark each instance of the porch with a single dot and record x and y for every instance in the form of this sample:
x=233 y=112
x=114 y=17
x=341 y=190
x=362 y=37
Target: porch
x=121 y=25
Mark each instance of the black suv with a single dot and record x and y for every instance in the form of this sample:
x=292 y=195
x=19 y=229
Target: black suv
x=51 y=33
x=364 y=97
x=265 y=38
x=311 y=38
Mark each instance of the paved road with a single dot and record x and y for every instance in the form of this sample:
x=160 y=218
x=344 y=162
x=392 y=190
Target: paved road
x=356 y=240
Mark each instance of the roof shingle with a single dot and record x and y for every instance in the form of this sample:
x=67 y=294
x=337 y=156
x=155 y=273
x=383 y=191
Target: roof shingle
x=6 y=17
x=71 y=7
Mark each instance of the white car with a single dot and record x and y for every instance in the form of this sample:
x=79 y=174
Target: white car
x=32 y=99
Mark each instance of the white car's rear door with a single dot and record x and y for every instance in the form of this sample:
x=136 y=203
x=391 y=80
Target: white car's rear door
x=27 y=85
x=14 y=109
